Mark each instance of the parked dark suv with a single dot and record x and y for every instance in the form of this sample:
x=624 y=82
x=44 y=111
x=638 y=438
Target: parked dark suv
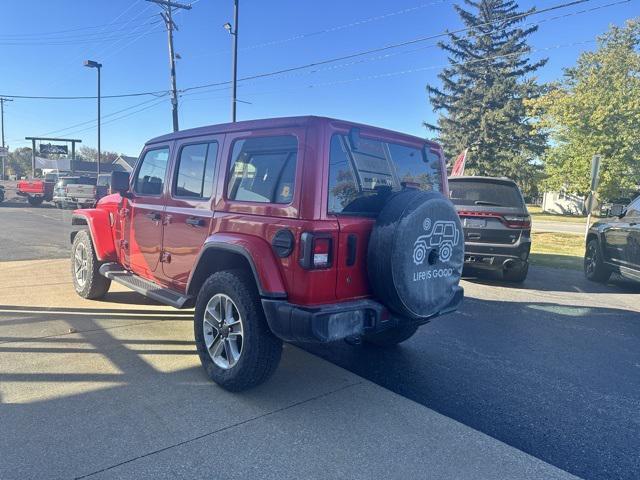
x=613 y=245
x=496 y=223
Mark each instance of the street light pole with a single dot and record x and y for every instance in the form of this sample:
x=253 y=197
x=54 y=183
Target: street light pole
x=233 y=30
x=2 y=100
x=98 y=66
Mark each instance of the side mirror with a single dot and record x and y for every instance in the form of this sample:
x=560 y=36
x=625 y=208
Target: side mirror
x=120 y=183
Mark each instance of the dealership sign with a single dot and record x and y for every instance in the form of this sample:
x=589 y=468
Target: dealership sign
x=48 y=148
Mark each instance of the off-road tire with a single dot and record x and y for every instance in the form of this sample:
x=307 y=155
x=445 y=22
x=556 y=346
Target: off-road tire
x=516 y=275
x=35 y=201
x=95 y=286
x=391 y=337
x=600 y=272
x=261 y=349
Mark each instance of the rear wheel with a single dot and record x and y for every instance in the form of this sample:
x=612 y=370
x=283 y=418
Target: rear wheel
x=87 y=280
x=35 y=201
x=391 y=337
x=234 y=343
x=594 y=267
x=516 y=275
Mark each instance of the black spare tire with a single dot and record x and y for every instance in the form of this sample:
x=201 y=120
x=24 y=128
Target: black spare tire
x=416 y=253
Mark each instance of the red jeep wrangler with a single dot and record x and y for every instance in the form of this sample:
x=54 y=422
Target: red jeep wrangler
x=299 y=229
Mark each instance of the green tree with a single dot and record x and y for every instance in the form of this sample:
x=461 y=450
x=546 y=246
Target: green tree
x=19 y=162
x=595 y=109
x=90 y=154
x=481 y=100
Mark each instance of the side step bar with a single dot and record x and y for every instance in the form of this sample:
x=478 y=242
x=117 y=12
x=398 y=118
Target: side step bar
x=115 y=272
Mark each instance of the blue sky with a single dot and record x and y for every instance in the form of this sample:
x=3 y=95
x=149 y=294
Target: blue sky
x=379 y=89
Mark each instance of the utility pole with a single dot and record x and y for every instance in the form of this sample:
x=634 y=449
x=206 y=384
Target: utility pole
x=2 y=100
x=167 y=16
x=233 y=30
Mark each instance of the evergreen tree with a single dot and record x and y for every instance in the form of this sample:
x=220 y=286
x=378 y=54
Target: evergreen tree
x=482 y=97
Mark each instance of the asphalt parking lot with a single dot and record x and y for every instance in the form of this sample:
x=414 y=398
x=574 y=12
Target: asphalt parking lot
x=523 y=382
x=28 y=233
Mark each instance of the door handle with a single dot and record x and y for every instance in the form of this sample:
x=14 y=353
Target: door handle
x=195 y=222
x=155 y=216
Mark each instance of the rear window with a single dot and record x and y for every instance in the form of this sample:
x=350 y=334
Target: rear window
x=361 y=179
x=263 y=169
x=491 y=194
x=67 y=181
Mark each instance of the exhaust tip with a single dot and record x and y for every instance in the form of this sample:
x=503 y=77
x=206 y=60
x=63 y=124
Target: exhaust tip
x=509 y=263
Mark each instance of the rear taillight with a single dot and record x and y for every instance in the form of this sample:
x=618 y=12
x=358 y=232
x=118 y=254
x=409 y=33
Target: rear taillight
x=517 y=221
x=316 y=250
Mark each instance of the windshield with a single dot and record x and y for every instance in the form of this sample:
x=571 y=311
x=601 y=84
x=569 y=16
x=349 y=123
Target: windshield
x=484 y=193
x=361 y=179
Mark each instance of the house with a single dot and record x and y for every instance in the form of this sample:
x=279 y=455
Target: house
x=125 y=162
x=563 y=203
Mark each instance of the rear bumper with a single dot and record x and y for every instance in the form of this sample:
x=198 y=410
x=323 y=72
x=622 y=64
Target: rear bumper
x=497 y=256
x=328 y=323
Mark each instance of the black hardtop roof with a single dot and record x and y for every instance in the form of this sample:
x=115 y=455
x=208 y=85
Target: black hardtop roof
x=280 y=122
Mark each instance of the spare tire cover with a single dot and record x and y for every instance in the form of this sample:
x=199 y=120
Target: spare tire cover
x=416 y=253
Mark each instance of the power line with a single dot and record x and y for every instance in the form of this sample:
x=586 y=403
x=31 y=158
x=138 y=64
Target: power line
x=71 y=30
x=397 y=45
x=344 y=57
x=333 y=29
x=94 y=121
x=76 y=41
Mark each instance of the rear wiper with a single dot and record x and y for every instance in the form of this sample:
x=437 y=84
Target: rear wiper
x=489 y=204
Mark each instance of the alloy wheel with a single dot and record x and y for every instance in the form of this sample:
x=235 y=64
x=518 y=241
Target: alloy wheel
x=81 y=264
x=223 y=332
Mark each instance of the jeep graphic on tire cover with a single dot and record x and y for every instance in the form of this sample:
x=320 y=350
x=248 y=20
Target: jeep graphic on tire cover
x=416 y=253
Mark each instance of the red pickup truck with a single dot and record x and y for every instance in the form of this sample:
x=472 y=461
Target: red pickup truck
x=297 y=229
x=37 y=190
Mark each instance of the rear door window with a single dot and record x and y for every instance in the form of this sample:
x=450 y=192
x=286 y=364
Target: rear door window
x=263 y=169
x=484 y=193
x=194 y=173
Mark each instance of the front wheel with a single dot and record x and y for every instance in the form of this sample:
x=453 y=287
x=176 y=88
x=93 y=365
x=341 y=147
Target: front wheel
x=594 y=267
x=35 y=201
x=391 y=337
x=234 y=343
x=87 y=280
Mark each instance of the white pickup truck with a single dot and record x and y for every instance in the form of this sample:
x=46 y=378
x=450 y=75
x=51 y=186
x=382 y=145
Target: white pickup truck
x=75 y=192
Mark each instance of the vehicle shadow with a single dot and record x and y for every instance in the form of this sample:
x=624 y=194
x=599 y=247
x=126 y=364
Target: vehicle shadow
x=106 y=393
x=542 y=377
x=550 y=279
x=53 y=320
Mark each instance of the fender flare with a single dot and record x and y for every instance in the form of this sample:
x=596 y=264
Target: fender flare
x=258 y=254
x=100 y=230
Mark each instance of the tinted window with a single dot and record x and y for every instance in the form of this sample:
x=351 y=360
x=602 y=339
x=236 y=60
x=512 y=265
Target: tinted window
x=481 y=193
x=194 y=176
x=263 y=169
x=104 y=180
x=151 y=174
x=361 y=179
